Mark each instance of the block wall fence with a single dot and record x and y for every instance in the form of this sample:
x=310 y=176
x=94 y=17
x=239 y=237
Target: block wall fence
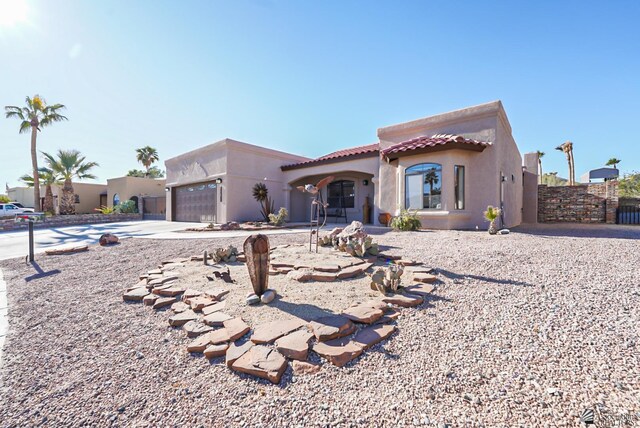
x=583 y=203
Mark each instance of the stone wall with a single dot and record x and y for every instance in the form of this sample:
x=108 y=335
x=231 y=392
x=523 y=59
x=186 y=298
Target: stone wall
x=583 y=203
x=70 y=220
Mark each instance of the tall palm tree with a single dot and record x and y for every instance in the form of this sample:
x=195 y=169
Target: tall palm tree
x=69 y=164
x=147 y=155
x=540 y=156
x=613 y=162
x=48 y=177
x=34 y=116
x=567 y=148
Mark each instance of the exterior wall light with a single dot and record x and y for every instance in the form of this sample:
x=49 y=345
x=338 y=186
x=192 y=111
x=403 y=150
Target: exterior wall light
x=218 y=180
x=166 y=189
x=365 y=182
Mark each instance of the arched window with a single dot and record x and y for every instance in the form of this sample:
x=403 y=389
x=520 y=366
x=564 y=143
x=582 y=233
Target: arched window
x=116 y=199
x=423 y=186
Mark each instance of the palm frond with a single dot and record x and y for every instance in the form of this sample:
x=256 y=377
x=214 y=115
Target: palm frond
x=25 y=126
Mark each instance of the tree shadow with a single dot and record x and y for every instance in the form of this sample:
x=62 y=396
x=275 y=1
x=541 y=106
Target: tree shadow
x=576 y=230
x=40 y=273
x=453 y=275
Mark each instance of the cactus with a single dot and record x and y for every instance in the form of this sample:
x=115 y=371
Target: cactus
x=387 y=279
x=357 y=246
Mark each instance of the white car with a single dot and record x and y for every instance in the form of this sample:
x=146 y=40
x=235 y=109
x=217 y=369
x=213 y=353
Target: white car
x=9 y=210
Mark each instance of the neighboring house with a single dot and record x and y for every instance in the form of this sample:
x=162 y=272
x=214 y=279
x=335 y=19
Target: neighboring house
x=447 y=167
x=133 y=188
x=87 y=196
x=600 y=174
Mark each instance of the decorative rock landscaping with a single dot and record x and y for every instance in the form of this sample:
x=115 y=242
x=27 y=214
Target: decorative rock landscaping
x=201 y=310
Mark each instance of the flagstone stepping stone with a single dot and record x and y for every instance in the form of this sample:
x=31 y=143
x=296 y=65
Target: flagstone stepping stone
x=199 y=303
x=233 y=329
x=369 y=336
x=143 y=276
x=182 y=318
x=200 y=344
x=327 y=268
x=214 y=351
x=179 y=307
x=350 y=272
x=161 y=302
x=323 y=276
x=331 y=327
x=424 y=277
x=274 y=272
x=278 y=265
x=171 y=266
x=389 y=317
x=135 y=295
x=357 y=262
x=215 y=307
x=263 y=362
x=284 y=270
x=304 y=368
x=295 y=345
x=150 y=299
x=168 y=292
x=300 y=266
x=301 y=275
x=420 y=289
x=363 y=313
x=216 y=319
x=405 y=262
x=154 y=272
x=268 y=296
x=338 y=351
x=216 y=293
x=404 y=300
x=195 y=328
x=267 y=333
x=190 y=292
x=141 y=283
x=236 y=351
x=178 y=260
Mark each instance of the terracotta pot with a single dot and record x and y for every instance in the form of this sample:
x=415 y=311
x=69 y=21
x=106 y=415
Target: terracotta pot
x=384 y=218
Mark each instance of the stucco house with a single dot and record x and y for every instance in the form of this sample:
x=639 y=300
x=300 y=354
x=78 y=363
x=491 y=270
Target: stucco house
x=447 y=167
x=87 y=196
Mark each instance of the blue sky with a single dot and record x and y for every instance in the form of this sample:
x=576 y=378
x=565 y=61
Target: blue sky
x=312 y=77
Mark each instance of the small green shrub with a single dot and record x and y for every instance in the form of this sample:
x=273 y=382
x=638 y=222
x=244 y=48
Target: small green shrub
x=105 y=209
x=126 y=207
x=4 y=199
x=406 y=221
x=280 y=218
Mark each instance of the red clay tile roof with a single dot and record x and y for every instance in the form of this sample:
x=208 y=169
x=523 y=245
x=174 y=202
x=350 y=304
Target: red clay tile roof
x=435 y=142
x=338 y=156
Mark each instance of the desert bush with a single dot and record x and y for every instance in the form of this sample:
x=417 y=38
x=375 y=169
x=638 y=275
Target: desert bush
x=406 y=221
x=126 y=207
x=105 y=209
x=280 y=218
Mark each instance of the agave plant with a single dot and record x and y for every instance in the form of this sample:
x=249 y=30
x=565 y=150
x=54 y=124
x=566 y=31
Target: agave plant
x=261 y=194
x=491 y=214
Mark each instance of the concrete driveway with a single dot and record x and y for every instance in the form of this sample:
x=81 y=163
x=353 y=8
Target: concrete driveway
x=16 y=244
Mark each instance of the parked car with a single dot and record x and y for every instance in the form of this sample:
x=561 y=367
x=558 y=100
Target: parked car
x=19 y=205
x=9 y=210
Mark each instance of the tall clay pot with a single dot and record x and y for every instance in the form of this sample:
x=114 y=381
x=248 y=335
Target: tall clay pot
x=384 y=219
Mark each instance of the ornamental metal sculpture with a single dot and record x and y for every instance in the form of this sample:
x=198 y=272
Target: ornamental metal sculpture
x=256 y=251
x=318 y=208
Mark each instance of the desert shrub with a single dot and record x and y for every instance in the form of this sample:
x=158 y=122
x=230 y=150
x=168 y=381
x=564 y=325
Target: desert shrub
x=280 y=218
x=4 y=199
x=406 y=221
x=105 y=209
x=127 y=207
x=630 y=185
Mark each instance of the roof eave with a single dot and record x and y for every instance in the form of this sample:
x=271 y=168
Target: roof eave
x=317 y=162
x=432 y=149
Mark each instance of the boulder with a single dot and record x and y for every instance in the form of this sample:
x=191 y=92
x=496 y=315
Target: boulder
x=338 y=351
x=268 y=296
x=331 y=327
x=262 y=362
x=295 y=345
x=268 y=332
x=108 y=239
x=354 y=231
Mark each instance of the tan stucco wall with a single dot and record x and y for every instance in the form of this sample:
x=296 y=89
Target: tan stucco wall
x=240 y=166
x=486 y=122
x=88 y=193
x=24 y=195
x=127 y=187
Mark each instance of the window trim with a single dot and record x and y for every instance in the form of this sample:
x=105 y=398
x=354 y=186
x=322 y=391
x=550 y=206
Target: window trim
x=407 y=173
x=456 y=168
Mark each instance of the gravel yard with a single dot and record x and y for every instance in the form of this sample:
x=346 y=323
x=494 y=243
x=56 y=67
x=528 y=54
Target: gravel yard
x=526 y=329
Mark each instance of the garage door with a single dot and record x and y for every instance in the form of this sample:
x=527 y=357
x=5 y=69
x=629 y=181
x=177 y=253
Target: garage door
x=196 y=203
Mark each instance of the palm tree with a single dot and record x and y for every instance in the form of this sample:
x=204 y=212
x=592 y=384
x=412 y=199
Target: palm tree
x=147 y=156
x=540 y=156
x=567 y=148
x=69 y=164
x=48 y=177
x=613 y=162
x=35 y=115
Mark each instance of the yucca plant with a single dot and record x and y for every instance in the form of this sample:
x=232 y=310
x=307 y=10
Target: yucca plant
x=491 y=214
x=261 y=194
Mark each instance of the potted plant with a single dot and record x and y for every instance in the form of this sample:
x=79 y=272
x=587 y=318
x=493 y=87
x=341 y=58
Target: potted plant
x=491 y=214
